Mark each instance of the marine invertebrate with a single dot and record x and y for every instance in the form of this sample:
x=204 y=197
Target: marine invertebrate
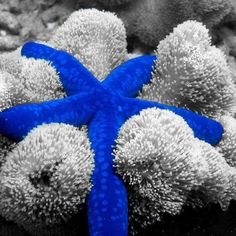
x=111 y=3
x=161 y=161
x=152 y=20
x=192 y=73
x=30 y=80
x=105 y=39
x=43 y=184
x=156 y=155
x=5 y=87
x=227 y=146
x=104 y=107
x=93 y=36
x=6 y=145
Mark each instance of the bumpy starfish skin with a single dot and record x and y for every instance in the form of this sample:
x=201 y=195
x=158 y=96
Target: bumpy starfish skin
x=104 y=107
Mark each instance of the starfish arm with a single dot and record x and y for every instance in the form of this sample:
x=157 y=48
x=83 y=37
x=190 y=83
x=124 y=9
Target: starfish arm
x=73 y=75
x=16 y=122
x=203 y=128
x=107 y=201
x=129 y=78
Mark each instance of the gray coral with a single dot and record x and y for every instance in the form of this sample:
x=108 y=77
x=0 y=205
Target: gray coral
x=192 y=73
x=31 y=80
x=6 y=145
x=46 y=177
x=5 y=90
x=158 y=157
x=113 y=3
x=152 y=20
x=227 y=145
x=95 y=38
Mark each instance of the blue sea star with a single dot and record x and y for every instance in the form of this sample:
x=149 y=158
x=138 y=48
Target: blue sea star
x=103 y=107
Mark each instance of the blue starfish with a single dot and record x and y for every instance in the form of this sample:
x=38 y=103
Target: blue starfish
x=104 y=107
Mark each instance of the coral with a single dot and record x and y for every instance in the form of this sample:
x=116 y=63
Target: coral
x=103 y=107
x=93 y=36
x=212 y=12
x=5 y=90
x=46 y=177
x=113 y=3
x=40 y=81
x=6 y=145
x=158 y=157
x=36 y=80
x=219 y=184
x=192 y=73
x=31 y=80
x=152 y=20
x=227 y=146
x=229 y=39
x=10 y=62
x=161 y=152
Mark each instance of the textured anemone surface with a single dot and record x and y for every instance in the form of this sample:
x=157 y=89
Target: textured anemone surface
x=158 y=157
x=30 y=80
x=40 y=81
x=46 y=177
x=6 y=145
x=5 y=90
x=192 y=73
x=96 y=38
x=227 y=145
x=219 y=182
x=113 y=3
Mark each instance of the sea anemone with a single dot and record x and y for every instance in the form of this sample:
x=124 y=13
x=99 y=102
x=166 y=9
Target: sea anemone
x=157 y=156
x=227 y=145
x=162 y=163
x=151 y=20
x=40 y=80
x=5 y=90
x=220 y=180
x=90 y=35
x=97 y=39
x=29 y=80
x=46 y=177
x=6 y=145
x=192 y=73
x=113 y=3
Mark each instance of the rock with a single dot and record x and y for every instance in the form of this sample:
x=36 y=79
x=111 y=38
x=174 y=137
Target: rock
x=55 y=13
x=32 y=25
x=229 y=38
x=9 y=22
x=232 y=65
x=45 y=4
x=4 y=7
x=14 y=6
x=8 y=43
